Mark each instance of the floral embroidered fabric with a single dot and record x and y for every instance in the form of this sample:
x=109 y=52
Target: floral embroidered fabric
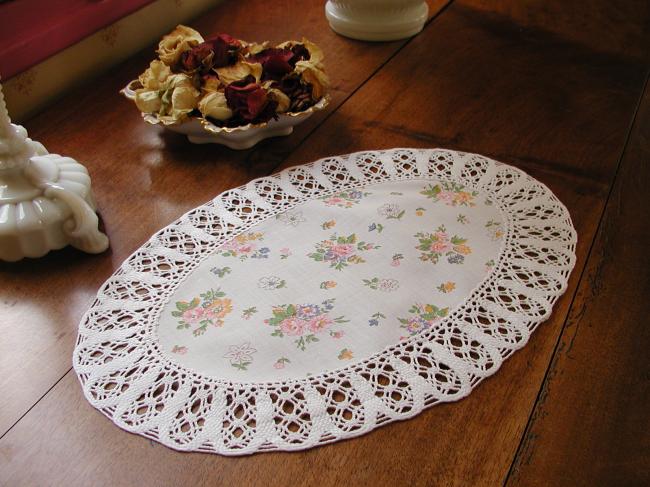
x=321 y=302
x=332 y=281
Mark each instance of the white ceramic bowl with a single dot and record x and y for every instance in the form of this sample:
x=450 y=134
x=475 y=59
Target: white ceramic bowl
x=201 y=131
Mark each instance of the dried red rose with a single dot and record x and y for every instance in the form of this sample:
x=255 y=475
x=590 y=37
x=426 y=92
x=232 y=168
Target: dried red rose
x=298 y=92
x=247 y=99
x=197 y=57
x=275 y=62
x=300 y=53
x=214 y=53
x=289 y=85
x=225 y=50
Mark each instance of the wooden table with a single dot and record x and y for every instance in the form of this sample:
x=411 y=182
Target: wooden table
x=558 y=90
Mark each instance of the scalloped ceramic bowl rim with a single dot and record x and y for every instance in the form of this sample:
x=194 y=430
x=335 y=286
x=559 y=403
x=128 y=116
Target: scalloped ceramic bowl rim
x=209 y=127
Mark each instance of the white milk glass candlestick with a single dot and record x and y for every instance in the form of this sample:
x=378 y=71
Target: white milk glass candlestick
x=46 y=201
x=377 y=20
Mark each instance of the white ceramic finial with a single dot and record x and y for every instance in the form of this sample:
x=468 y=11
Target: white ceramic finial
x=45 y=199
x=377 y=20
x=14 y=147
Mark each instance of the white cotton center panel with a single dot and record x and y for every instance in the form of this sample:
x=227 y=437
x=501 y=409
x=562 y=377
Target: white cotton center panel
x=332 y=281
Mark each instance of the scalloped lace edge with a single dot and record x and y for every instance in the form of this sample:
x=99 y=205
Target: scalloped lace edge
x=126 y=376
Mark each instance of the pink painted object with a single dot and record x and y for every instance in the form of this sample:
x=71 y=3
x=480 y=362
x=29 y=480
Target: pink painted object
x=33 y=30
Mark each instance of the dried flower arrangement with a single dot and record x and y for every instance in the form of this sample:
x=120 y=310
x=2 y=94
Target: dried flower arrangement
x=229 y=82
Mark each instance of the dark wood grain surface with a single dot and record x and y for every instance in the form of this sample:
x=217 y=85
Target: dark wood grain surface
x=615 y=26
x=569 y=409
x=590 y=425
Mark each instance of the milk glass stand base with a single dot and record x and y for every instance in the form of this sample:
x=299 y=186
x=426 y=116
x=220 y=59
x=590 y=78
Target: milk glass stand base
x=45 y=199
x=377 y=20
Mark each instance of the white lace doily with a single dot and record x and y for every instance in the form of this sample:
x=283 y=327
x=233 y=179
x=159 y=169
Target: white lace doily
x=321 y=302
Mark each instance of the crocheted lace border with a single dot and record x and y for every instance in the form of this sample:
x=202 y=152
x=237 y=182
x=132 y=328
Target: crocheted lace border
x=125 y=375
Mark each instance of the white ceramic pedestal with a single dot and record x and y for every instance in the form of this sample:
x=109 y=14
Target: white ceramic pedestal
x=377 y=20
x=45 y=199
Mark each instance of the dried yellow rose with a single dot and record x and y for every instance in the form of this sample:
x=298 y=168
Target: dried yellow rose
x=179 y=98
x=153 y=80
x=148 y=101
x=211 y=83
x=316 y=55
x=214 y=105
x=238 y=71
x=314 y=76
x=283 y=100
x=253 y=48
x=155 y=75
x=181 y=39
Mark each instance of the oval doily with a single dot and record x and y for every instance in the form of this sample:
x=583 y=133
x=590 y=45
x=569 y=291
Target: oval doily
x=133 y=370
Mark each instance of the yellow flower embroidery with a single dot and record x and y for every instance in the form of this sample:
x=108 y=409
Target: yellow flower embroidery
x=328 y=224
x=345 y=354
x=447 y=287
x=247 y=237
x=221 y=307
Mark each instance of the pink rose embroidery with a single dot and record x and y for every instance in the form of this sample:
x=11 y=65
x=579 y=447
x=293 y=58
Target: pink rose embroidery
x=304 y=321
x=436 y=244
x=342 y=250
x=209 y=308
x=320 y=323
x=293 y=326
x=193 y=316
x=439 y=247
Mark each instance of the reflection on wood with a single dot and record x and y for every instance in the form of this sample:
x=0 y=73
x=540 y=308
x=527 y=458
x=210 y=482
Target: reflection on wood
x=616 y=26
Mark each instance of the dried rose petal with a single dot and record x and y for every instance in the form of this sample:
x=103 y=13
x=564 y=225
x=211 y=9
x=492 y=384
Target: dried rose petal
x=210 y=82
x=304 y=50
x=197 y=57
x=316 y=55
x=252 y=48
x=155 y=75
x=214 y=105
x=282 y=100
x=300 y=53
x=246 y=98
x=178 y=41
x=289 y=85
x=225 y=48
x=275 y=62
x=239 y=71
x=214 y=53
x=314 y=76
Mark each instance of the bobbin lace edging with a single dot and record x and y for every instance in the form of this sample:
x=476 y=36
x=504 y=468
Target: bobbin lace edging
x=125 y=375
